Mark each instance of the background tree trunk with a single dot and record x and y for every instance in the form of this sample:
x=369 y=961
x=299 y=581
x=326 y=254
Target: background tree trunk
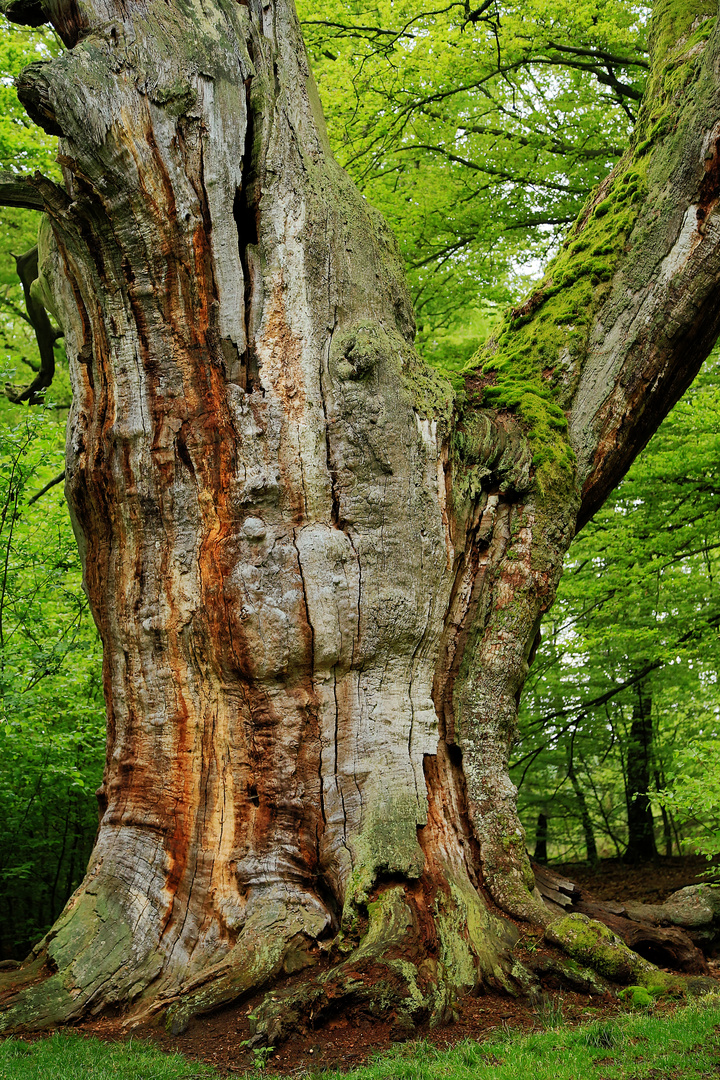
x=641 y=827
x=541 y=838
x=591 y=853
x=317 y=586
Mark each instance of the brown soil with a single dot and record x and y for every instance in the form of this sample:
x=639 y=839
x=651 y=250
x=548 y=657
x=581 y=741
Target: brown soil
x=344 y=1043
x=649 y=883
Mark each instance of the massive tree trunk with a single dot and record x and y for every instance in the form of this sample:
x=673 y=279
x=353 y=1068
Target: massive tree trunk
x=318 y=579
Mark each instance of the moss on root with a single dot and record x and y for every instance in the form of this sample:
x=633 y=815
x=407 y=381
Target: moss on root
x=89 y=952
x=594 y=945
x=396 y=972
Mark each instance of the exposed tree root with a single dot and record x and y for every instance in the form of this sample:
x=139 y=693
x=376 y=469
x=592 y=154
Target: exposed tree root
x=404 y=964
x=411 y=960
x=392 y=973
x=595 y=946
x=88 y=961
x=276 y=940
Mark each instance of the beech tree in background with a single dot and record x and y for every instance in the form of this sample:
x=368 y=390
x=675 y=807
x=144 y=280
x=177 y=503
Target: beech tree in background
x=317 y=575
x=636 y=621
x=478 y=130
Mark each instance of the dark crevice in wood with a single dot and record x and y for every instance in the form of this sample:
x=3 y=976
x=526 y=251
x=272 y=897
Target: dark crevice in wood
x=26 y=13
x=246 y=207
x=63 y=14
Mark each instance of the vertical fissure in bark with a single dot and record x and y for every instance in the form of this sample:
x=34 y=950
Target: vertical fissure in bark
x=246 y=211
x=464 y=595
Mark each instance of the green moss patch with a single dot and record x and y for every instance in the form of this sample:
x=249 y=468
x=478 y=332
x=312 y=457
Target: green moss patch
x=532 y=367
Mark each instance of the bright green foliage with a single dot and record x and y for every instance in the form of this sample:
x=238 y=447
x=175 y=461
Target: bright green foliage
x=52 y=715
x=478 y=133
x=693 y=794
x=18 y=347
x=51 y=707
x=23 y=146
x=638 y=609
x=449 y=351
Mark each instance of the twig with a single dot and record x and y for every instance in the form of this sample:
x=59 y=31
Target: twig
x=51 y=484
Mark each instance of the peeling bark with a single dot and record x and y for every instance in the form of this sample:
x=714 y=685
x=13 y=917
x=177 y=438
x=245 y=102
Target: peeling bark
x=318 y=586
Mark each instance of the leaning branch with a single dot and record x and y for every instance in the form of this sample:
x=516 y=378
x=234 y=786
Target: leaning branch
x=19 y=191
x=598 y=54
x=50 y=484
x=27 y=270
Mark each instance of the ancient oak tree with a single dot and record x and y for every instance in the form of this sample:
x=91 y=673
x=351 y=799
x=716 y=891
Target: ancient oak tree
x=317 y=576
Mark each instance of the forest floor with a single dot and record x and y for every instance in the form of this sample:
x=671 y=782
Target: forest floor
x=648 y=883
x=347 y=1043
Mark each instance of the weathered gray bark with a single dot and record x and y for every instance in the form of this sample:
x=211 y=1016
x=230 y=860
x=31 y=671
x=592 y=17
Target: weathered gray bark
x=317 y=586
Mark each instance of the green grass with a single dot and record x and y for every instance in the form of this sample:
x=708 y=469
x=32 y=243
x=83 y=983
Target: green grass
x=68 y=1056
x=684 y=1045
x=679 y=1045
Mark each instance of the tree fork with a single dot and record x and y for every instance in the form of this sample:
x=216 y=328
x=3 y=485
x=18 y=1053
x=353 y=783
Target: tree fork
x=317 y=579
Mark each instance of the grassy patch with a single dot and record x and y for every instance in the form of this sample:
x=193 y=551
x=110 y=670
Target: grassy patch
x=683 y=1044
x=679 y=1045
x=69 y=1056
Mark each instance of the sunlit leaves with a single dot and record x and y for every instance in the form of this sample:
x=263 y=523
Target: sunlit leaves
x=478 y=129
x=52 y=715
x=638 y=609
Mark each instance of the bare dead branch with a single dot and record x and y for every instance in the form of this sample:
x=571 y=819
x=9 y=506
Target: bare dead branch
x=50 y=484
x=19 y=191
x=27 y=270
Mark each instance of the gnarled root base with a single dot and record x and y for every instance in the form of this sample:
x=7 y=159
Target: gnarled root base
x=409 y=952
x=89 y=961
x=411 y=962
x=416 y=972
